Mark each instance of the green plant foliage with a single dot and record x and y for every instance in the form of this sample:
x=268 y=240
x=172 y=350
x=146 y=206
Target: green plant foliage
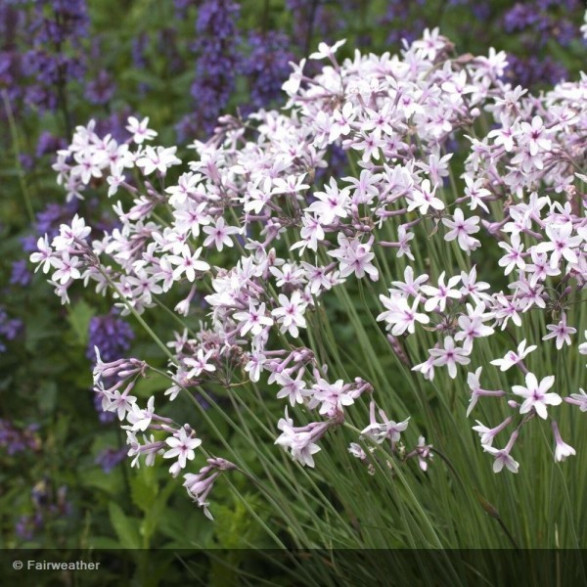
x=65 y=476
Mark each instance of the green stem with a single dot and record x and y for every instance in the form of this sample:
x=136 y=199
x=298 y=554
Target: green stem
x=16 y=149
x=139 y=318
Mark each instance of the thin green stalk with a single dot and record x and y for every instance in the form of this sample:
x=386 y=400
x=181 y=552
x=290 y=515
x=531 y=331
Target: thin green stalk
x=16 y=150
x=139 y=318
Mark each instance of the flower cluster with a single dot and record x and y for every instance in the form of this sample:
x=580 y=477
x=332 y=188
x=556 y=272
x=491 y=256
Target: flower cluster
x=287 y=240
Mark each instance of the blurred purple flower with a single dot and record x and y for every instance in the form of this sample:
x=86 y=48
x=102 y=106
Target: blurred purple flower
x=520 y=17
x=216 y=44
x=20 y=273
x=100 y=90
x=530 y=71
x=110 y=457
x=28 y=525
x=9 y=328
x=49 y=144
x=48 y=506
x=111 y=335
x=17 y=439
x=53 y=215
x=182 y=7
x=267 y=66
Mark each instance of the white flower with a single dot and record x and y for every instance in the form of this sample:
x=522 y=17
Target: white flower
x=438 y=296
x=562 y=450
x=561 y=243
x=182 y=445
x=325 y=51
x=561 y=332
x=141 y=419
x=503 y=457
x=535 y=395
x=400 y=316
x=450 y=355
x=512 y=358
x=254 y=320
x=188 y=263
x=140 y=130
x=199 y=364
x=290 y=315
x=355 y=257
x=461 y=229
x=157 y=159
x=424 y=197
x=44 y=255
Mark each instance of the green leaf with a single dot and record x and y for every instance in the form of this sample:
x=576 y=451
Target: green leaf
x=155 y=513
x=95 y=478
x=144 y=489
x=126 y=528
x=103 y=543
x=38 y=327
x=149 y=385
x=187 y=527
x=47 y=396
x=79 y=319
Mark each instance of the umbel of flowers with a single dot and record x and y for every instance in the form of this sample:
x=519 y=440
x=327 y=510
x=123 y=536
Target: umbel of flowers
x=449 y=164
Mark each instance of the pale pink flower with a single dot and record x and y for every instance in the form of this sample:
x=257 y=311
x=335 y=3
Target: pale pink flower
x=141 y=419
x=44 y=255
x=462 y=229
x=514 y=257
x=253 y=320
x=514 y=357
x=578 y=399
x=535 y=396
x=560 y=244
x=199 y=364
x=140 y=130
x=534 y=136
x=561 y=449
x=561 y=331
x=290 y=315
x=355 y=257
x=473 y=381
x=503 y=457
x=219 y=234
x=487 y=435
x=379 y=431
x=424 y=197
x=450 y=355
x=438 y=296
x=410 y=286
x=301 y=440
x=182 y=445
x=327 y=51
x=158 y=159
x=188 y=263
x=400 y=317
